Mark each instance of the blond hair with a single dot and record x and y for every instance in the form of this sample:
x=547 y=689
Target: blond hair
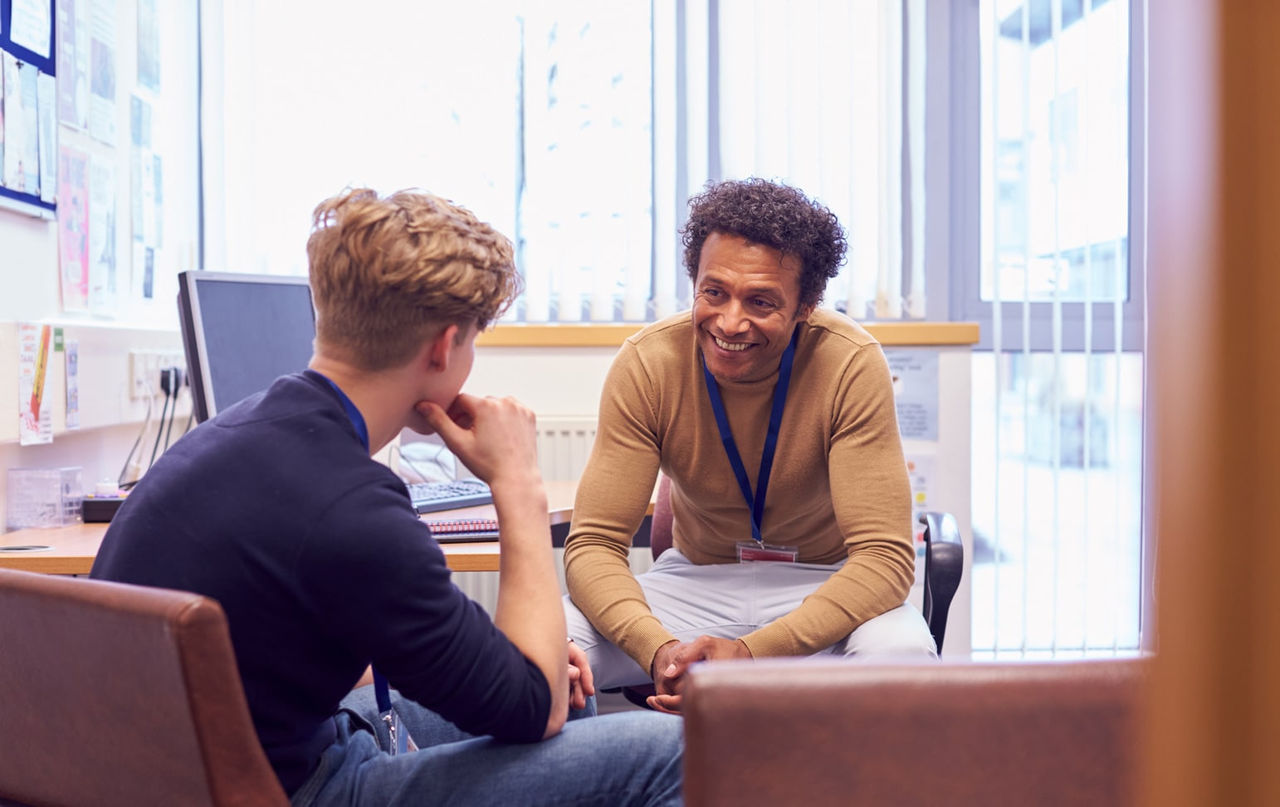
x=387 y=274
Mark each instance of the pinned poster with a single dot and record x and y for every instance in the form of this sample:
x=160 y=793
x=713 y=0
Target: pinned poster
x=35 y=421
x=46 y=93
x=15 y=144
x=915 y=392
x=73 y=64
x=73 y=228
x=102 y=72
x=29 y=77
x=148 y=45
x=72 y=349
x=29 y=25
x=103 y=289
x=921 y=470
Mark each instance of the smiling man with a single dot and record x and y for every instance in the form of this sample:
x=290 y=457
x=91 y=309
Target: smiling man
x=775 y=422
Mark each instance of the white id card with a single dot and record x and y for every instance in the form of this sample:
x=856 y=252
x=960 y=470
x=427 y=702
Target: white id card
x=766 y=553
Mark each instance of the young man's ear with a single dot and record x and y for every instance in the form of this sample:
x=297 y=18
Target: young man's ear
x=441 y=347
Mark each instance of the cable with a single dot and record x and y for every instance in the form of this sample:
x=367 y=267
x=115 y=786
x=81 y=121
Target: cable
x=160 y=426
x=168 y=429
x=146 y=424
x=176 y=385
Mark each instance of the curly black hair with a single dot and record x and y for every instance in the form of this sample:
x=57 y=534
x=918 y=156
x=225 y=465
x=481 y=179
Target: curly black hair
x=773 y=214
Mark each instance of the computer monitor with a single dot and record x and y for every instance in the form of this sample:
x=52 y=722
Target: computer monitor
x=240 y=333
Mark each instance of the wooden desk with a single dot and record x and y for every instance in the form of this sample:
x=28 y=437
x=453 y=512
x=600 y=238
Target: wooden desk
x=72 y=549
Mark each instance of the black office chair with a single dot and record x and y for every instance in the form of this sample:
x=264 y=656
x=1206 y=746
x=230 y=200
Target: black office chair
x=943 y=566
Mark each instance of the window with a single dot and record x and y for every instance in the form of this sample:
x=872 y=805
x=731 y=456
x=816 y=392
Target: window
x=534 y=115
x=579 y=128
x=1057 y=448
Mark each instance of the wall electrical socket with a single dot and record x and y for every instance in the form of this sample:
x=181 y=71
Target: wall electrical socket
x=145 y=367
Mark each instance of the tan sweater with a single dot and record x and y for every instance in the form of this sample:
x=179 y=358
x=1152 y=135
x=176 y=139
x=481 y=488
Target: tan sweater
x=839 y=484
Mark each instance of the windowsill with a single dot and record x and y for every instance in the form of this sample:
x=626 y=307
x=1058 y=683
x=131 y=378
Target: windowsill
x=571 y=334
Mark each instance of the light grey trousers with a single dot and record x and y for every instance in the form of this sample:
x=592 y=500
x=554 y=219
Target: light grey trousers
x=730 y=600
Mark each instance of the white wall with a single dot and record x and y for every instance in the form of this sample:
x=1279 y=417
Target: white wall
x=561 y=382
x=555 y=382
x=29 y=265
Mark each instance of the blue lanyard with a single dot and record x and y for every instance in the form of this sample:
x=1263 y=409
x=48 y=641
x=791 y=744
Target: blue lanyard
x=380 y=689
x=357 y=419
x=756 y=501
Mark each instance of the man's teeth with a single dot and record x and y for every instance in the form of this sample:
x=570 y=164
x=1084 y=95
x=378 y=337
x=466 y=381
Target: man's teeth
x=735 y=346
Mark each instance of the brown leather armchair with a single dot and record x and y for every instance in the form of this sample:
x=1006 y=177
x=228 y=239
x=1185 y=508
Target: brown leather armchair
x=832 y=732
x=122 y=695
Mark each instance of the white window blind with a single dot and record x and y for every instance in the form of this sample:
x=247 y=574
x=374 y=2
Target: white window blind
x=816 y=94
x=581 y=129
x=1057 y=432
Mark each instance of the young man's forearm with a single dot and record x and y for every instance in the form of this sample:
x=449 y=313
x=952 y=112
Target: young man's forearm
x=529 y=609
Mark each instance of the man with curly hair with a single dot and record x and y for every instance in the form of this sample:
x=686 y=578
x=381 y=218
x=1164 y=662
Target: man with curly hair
x=775 y=422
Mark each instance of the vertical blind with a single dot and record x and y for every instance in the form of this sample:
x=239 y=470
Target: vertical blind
x=827 y=96
x=581 y=129
x=1057 y=463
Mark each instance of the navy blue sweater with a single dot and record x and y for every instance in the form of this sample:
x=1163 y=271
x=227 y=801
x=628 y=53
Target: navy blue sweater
x=275 y=509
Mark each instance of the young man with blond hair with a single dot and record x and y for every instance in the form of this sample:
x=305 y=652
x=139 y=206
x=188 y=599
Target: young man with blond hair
x=276 y=509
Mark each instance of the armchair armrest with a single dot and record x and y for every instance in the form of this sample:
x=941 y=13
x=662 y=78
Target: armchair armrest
x=833 y=732
x=943 y=566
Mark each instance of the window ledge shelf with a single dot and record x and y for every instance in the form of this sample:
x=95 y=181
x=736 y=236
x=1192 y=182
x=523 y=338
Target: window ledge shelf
x=570 y=334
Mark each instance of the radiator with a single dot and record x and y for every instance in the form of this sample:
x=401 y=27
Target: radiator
x=564 y=443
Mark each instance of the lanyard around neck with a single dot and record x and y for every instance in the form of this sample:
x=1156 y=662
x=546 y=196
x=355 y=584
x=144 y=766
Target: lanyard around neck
x=381 y=692
x=756 y=501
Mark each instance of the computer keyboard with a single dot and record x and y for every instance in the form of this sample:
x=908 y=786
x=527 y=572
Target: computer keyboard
x=430 y=497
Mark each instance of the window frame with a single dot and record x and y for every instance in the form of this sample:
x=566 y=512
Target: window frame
x=966 y=209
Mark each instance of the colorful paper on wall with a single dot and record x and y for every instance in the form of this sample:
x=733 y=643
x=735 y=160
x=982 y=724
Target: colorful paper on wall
x=915 y=391
x=103 y=285
x=46 y=98
x=30 y=24
x=922 y=472
x=29 y=75
x=35 y=422
x=102 y=73
x=73 y=228
x=144 y=182
x=1 y=123
x=72 y=349
x=73 y=64
x=14 y=176
x=148 y=45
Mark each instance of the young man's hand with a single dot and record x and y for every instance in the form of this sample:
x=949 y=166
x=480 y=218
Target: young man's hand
x=581 y=679
x=495 y=437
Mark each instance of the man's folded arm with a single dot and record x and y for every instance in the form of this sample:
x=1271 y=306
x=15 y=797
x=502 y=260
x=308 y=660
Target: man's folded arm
x=613 y=496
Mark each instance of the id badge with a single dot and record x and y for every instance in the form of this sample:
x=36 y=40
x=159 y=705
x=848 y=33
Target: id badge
x=766 y=553
x=401 y=742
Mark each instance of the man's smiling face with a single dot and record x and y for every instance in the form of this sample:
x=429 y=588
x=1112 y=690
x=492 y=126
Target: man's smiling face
x=746 y=303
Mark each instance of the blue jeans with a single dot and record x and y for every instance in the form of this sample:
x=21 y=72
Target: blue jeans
x=619 y=759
